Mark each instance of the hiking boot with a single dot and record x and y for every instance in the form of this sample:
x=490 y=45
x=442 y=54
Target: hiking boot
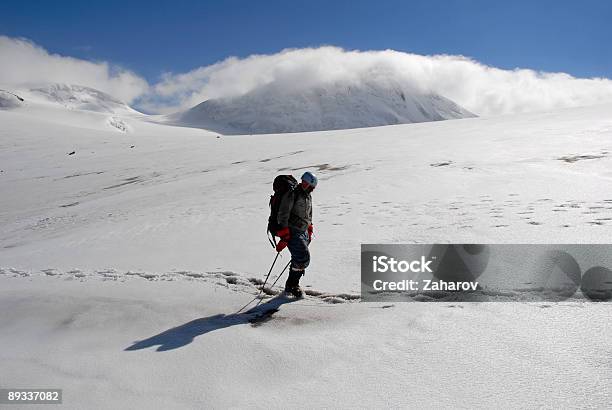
x=293 y=283
x=296 y=291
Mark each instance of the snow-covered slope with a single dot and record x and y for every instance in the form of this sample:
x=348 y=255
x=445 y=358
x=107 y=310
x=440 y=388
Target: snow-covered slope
x=9 y=100
x=273 y=109
x=114 y=246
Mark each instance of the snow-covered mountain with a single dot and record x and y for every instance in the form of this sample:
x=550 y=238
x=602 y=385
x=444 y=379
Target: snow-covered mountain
x=76 y=97
x=70 y=105
x=273 y=109
x=268 y=109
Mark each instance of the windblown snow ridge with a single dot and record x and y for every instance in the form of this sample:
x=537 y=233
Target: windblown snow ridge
x=9 y=100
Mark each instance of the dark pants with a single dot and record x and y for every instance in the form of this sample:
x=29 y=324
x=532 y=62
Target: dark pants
x=298 y=246
x=300 y=256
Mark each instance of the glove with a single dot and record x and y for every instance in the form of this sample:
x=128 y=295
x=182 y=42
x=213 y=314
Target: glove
x=280 y=246
x=310 y=229
x=284 y=234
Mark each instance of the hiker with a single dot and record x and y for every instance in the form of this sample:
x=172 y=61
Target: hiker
x=295 y=229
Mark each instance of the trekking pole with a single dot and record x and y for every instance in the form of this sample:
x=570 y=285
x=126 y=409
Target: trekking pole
x=264 y=284
x=281 y=274
x=276 y=280
x=268 y=275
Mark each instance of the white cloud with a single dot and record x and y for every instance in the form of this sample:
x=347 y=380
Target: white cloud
x=479 y=88
x=23 y=63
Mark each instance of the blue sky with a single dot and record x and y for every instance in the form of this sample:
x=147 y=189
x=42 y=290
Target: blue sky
x=152 y=37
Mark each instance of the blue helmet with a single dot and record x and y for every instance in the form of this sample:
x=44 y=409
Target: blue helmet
x=310 y=178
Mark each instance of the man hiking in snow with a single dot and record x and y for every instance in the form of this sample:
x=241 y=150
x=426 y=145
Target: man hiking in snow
x=295 y=222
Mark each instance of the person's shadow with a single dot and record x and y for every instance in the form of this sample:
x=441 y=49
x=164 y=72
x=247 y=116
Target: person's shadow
x=184 y=334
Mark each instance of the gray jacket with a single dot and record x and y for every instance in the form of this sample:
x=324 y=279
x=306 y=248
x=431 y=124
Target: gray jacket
x=295 y=209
